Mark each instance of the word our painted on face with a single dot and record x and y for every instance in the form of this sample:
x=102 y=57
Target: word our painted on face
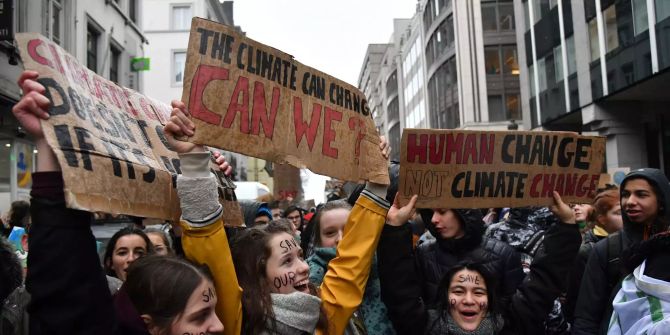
x=288 y=245
x=287 y=279
x=208 y=295
x=468 y=279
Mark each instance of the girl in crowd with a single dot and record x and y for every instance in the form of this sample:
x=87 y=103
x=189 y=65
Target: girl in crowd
x=467 y=301
x=69 y=294
x=294 y=214
x=125 y=246
x=273 y=277
x=160 y=240
x=329 y=223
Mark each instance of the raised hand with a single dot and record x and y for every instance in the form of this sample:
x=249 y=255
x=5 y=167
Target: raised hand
x=384 y=147
x=33 y=105
x=562 y=210
x=397 y=216
x=178 y=126
x=221 y=162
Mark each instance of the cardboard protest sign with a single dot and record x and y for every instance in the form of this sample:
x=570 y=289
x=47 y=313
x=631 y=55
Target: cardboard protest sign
x=483 y=169
x=249 y=98
x=108 y=139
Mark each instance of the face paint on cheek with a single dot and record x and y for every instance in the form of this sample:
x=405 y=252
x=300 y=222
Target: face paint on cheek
x=483 y=306
x=286 y=279
x=452 y=302
x=208 y=295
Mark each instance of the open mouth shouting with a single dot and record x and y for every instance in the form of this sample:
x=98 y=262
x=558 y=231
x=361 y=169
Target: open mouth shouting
x=302 y=286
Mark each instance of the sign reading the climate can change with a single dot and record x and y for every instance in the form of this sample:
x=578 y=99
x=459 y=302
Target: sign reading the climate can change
x=108 y=139
x=483 y=169
x=249 y=98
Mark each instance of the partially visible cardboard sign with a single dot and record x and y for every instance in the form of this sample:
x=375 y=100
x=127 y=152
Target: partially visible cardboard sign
x=247 y=97
x=108 y=139
x=483 y=169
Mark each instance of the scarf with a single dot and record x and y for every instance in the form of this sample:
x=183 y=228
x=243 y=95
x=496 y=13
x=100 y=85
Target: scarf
x=295 y=313
x=445 y=324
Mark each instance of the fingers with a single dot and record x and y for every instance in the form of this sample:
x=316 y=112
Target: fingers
x=413 y=200
x=173 y=129
x=26 y=75
x=558 y=202
x=228 y=171
x=185 y=125
x=30 y=85
x=33 y=103
x=396 y=200
x=179 y=105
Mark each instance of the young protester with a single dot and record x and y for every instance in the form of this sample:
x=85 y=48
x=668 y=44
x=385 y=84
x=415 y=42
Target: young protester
x=273 y=277
x=330 y=221
x=583 y=212
x=458 y=235
x=524 y=230
x=467 y=301
x=126 y=245
x=69 y=294
x=645 y=199
x=294 y=215
x=255 y=213
x=162 y=244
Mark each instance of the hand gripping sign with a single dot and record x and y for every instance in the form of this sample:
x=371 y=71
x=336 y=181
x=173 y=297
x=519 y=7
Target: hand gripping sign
x=249 y=98
x=483 y=169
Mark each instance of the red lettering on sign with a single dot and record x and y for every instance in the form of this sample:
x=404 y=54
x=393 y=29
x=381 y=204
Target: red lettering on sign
x=260 y=114
x=32 y=51
x=302 y=129
x=329 y=132
x=235 y=107
x=203 y=75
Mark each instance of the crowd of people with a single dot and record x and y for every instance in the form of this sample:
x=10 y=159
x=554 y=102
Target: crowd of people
x=359 y=265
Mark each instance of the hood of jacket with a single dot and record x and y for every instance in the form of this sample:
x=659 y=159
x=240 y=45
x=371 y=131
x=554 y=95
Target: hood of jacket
x=250 y=210
x=472 y=223
x=660 y=183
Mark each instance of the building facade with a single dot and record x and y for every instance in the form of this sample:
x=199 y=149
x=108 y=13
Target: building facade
x=453 y=64
x=167 y=24
x=103 y=35
x=599 y=67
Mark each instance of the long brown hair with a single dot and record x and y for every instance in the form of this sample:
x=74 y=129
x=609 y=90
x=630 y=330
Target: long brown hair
x=160 y=286
x=250 y=250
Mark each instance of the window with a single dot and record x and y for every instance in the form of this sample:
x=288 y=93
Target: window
x=611 y=33
x=492 y=60
x=531 y=74
x=92 y=36
x=114 y=57
x=181 y=17
x=662 y=10
x=572 y=62
x=132 y=10
x=593 y=38
x=489 y=17
x=558 y=63
x=510 y=63
x=512 y=109
x=640 y=21
x=526 y=15
x=497 y=16
x=496 y=112
x=506 y=16
x=542 y=74
x=54 y=24
x=178 y=63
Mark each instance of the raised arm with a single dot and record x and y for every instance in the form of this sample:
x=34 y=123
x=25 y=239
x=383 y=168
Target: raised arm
x=204 y=239
x=68 y=288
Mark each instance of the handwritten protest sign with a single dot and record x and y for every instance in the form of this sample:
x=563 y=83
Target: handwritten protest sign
x=252 y=99
x=482 y=169
x=108 y=139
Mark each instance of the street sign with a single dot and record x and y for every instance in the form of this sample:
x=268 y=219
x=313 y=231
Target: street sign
x=140 y=64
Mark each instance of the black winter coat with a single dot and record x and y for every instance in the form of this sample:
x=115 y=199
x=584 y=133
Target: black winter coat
x=528 y=306
x=434 y=258
x=598 y=286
